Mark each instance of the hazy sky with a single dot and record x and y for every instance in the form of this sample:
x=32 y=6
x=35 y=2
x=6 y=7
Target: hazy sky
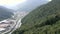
x=10 y=3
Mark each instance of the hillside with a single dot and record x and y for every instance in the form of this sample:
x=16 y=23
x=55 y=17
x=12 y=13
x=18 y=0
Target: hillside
x=43 y=20
x=5 y=13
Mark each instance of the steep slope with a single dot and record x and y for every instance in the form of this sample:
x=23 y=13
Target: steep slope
x=43 y=20
x=5 y=13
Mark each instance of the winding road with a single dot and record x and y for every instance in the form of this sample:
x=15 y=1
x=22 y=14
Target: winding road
x=18 y=16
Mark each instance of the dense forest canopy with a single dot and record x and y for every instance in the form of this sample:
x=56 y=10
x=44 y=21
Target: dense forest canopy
x=43 y=20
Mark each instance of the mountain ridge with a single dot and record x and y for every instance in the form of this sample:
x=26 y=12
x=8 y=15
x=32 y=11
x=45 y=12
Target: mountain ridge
x=43 y=20
x=5 y=13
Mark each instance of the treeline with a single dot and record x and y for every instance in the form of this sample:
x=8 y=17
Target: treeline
x=43 y=20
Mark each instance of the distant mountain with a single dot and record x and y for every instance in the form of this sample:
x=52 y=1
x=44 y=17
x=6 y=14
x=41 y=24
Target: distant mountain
x=5 y=13
x=43 y=20
x=29 y=5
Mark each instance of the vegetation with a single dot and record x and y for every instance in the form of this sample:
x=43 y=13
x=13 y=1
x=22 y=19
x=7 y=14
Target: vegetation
x=5 y=13
x=43 y=20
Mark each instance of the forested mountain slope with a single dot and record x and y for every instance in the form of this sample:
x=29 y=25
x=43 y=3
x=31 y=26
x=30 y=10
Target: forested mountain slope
x=43 y=20
x=5 y=13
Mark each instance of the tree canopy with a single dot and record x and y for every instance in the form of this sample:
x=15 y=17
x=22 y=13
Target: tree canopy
x=43 y=20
